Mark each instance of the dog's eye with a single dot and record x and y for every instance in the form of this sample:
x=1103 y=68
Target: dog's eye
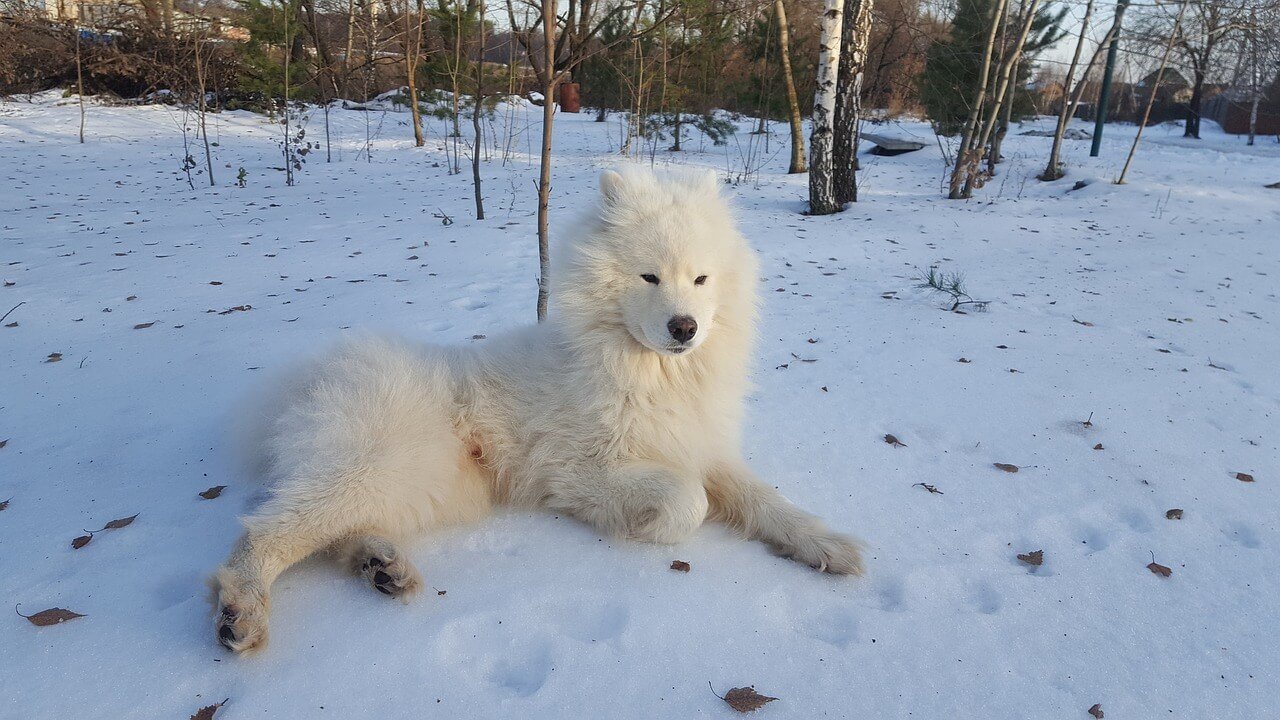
x=700 y=280
x=651 y=279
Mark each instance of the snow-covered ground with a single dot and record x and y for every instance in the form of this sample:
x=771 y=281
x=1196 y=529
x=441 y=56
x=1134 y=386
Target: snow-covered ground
x=1151 y=308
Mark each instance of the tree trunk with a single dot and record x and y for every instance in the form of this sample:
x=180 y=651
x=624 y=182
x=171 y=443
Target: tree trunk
x=475 y=120
x=966 y=154
x=79 y=81
x=544 y=175
x=412 y=43
x=1193 y=108
x=854 y=35
x=973 y=178
x=202 y=109
x=822 y=198
x=1053 y=171
x=1155 y=87
x=351 y=44
x=793 y=101
x=1006 y=117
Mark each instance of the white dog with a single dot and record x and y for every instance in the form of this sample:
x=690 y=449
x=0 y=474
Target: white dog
x=623 y=410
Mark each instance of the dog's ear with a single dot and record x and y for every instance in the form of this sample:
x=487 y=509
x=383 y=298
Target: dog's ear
x=611 y=185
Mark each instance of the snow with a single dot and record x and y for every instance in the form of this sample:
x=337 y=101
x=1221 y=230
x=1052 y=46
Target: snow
x=539 y=616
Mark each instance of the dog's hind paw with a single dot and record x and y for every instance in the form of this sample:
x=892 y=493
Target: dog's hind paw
x=825 y=551
x=392 y=576
x=240 y=619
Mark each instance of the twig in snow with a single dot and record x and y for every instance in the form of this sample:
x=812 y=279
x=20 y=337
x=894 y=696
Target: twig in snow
x=15 y=307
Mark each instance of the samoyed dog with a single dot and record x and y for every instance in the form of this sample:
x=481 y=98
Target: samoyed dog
x=622 y=410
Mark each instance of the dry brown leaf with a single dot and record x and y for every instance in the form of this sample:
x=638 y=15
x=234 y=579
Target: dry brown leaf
x=1007 y=467
x=4 y=504
x=53 y=357
x=1159 y=569
x=746 y=699
x=1096 y=710
x=208 y=711
x=52 y=616
x=932 y=489
x=1173 y=514
x=894 y=441
x=143 y=326
x=213 y=492
x=964 y=360
x=680 y=565
x=1085 y=323
x=122 y=522
x=3 y=443
x=1035 y=558
x=81 y=541
x=1244 y=477
x=1098 y=446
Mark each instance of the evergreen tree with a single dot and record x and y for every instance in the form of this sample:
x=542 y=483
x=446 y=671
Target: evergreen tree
x=951 y=72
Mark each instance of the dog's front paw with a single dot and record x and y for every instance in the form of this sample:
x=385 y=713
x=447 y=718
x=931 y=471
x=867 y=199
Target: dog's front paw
x=825 y=551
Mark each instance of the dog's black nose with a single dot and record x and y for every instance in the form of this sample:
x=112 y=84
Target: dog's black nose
x=682 y=328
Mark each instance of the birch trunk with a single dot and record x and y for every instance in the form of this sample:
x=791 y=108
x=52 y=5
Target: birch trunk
x=854 y=36
x=475 y=120
x=822 y=199
x=544 y=176
x=793 y=100
x=1053 y=171
x=972 y=172
x=1155 y=87
x=966 y=151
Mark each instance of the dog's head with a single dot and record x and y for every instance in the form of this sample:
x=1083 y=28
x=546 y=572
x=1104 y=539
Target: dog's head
x=660 y=264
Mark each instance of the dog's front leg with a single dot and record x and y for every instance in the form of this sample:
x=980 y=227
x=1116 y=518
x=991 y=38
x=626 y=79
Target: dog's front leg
x=636 y=500
x=740 y=500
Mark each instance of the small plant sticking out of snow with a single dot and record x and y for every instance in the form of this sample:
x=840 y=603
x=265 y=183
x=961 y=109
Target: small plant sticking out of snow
x=242 y=178
x=950 y=284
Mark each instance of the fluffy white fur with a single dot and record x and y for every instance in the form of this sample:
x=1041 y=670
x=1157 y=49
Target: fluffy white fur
x=600 y=413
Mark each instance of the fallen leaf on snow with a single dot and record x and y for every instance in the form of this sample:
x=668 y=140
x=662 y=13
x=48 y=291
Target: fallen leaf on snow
x=1244 y=477
x=1033 y=558
x=894 y=441
x=81 y=541
x=1159 y=569
x=119 y=523
x=207 y=712
x=746 y=699
x=143 y=326
x=52 y=616
x=53 y=357
x=1007 y=467
x=3 y=443
x=933 y=490
x=4 y=504
x=680 y=565
x=1173 y=514
x=213 y=492
x=1098 y=446
x=1085 y=323
x=1096 y=710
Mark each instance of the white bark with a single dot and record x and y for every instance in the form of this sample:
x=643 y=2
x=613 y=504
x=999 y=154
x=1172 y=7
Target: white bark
x=822 y=199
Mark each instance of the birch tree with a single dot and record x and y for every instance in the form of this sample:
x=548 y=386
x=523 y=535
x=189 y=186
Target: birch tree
x=855 y=36
x=822 y=198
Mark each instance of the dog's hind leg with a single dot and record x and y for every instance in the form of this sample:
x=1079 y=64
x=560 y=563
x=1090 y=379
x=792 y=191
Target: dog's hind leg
x=271 y=543
x=381 y=564
x=740 y=500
